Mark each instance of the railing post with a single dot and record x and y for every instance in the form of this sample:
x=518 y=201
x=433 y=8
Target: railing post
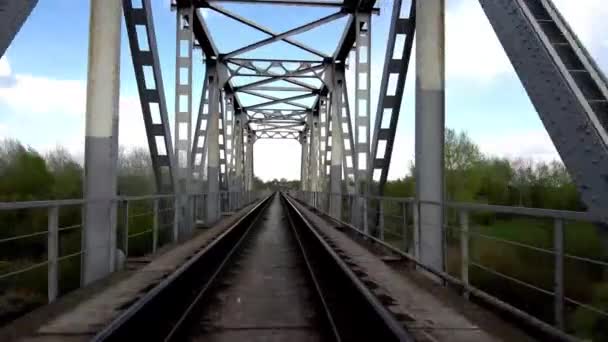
x=53 y=253
x=365 y=226
x=381 y=219
x=416 y=228
x=404 y=228
x=192 y=212
x=176 y=215
x=464 y=249
x=558 y=250
x=155 y=226
x=125 y=238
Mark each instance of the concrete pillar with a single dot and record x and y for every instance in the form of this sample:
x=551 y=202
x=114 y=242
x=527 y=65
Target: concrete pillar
x=213 y=146
x=337 y=146
x=430 y=120
x=101 y=143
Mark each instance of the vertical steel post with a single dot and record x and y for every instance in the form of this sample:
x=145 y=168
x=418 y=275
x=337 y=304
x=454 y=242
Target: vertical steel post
x=175 y=227
x=430 y=120
x=337 y=145
x=239 y=156
x=404 y=228
x=464 y=249
x=558 y=250
x=228 y=130
x=365 y=215
x=304 y=161
x=249 y=161
x=381 y=219
x=416 y=228
x=183 y=114
x=314 y=152
x=101 y=144
x=125 y=222
x=53 y=253
x=213 y=145
x=155 y=219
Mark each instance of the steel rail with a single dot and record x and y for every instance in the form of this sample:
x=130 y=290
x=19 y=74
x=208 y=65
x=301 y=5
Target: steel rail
x=532 y=321
x=394 y=328
x=186 y=314
x=113 y=330
x=313 y=276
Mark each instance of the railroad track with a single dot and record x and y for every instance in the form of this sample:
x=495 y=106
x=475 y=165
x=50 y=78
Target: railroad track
x=269 y=277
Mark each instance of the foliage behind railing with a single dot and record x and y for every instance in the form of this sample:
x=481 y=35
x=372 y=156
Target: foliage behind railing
x=549 y=263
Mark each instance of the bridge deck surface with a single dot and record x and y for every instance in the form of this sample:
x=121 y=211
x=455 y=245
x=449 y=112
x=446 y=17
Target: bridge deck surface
x=434 y=312
x=81 y=321
x=267 y=296
x=266 y=289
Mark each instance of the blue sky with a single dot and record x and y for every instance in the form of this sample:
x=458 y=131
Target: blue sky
x=43 y=78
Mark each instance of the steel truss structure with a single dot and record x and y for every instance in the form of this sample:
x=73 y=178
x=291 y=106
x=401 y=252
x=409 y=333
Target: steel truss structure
x=249 y=98
x=248 y=95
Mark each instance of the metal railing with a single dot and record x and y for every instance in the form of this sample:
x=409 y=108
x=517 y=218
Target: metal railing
x=143 y=225
x=393 y=221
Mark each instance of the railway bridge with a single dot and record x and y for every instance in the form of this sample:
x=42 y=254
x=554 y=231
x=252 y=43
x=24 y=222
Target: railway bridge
x=334 y=259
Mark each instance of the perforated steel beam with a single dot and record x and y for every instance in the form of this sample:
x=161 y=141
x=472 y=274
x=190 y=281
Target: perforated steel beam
x=315 y=136
x=337 y=144
x=199 y=142
x=213 y=146
x=144 y=54
x=349 y=160
x=249 y=176
x=304 y=160
x=183 y=116
x=362 y=98
x=396 y=66
x=324 y=146
x=566 y=87
x=239 y=154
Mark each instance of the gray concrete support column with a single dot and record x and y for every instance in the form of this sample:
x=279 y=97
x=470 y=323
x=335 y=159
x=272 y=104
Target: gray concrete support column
x=337 y=146
x=101 y=143
x=430 y=120
x=213 y=145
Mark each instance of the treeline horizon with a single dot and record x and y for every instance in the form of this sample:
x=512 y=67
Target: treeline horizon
x=470 y=176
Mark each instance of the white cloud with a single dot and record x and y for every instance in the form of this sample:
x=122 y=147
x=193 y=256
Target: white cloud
x=474 y=52
x=40 y=95
x=532 y=144
x=132 y=131
x=472 y=48
x=5 y=68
